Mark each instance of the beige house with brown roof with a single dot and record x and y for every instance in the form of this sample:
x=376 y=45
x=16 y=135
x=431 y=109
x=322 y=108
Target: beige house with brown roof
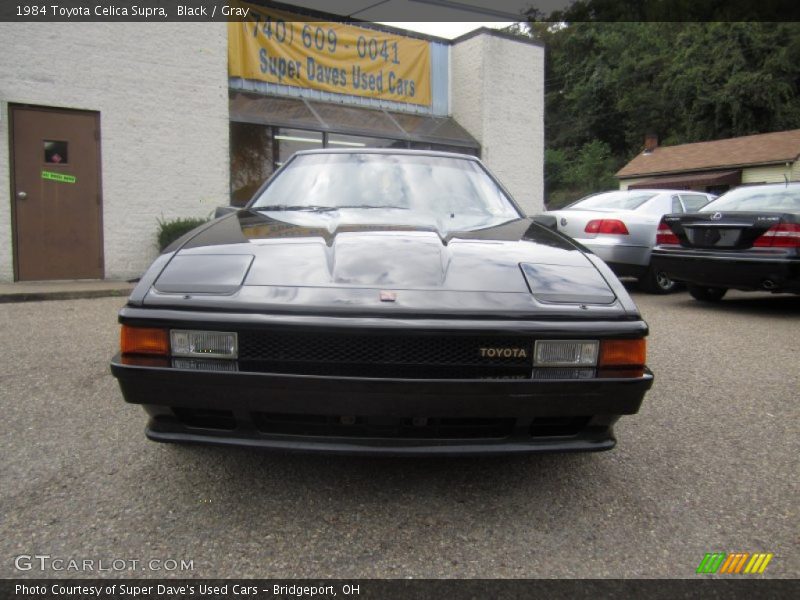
x=715 y=166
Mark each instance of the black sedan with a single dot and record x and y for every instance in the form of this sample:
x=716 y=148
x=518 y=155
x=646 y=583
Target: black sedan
x=747 y=239
x=392 y=302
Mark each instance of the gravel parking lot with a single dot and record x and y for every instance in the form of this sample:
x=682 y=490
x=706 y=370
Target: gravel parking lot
x=709 y=464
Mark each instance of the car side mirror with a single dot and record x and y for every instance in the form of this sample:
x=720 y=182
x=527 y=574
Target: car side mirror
x=221 y=211
x=548 y=221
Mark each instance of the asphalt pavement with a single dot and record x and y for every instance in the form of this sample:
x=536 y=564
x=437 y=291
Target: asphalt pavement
x=709 y=464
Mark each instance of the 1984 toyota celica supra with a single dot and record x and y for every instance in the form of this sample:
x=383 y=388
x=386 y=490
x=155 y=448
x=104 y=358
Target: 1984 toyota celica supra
x=382 y=301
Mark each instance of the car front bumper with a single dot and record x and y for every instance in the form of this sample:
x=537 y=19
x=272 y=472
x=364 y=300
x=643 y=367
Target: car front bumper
x=730 y=270
x=380 y=416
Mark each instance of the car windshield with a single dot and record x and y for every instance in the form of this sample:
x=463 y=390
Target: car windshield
x=619 y=200
x=757 y=198
x=392 y=187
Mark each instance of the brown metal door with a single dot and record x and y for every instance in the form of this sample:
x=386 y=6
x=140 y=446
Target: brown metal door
x=56 y=194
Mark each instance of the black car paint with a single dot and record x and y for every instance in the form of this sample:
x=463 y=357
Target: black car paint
x=245 y=394
x=327 y=278
x=286 y=268
x=701 y=260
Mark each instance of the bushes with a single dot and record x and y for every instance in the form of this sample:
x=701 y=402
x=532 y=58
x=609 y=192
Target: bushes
x=170 y=230
x=572 y=174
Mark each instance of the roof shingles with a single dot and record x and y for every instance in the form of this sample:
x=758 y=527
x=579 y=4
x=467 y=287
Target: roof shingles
x=761 y=149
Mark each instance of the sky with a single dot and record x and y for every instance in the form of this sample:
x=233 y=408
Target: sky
x=444 y=29
x=443 y=18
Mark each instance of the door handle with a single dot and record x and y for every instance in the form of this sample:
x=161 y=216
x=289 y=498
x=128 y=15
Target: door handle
x=22 y=195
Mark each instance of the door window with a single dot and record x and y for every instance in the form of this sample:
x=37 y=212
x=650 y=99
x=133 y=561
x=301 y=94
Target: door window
x=55 y=152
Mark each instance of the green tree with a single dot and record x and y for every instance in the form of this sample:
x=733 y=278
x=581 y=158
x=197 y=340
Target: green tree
x=594 y=167
x=732 y=79
x=611 y=83
x=570 y=176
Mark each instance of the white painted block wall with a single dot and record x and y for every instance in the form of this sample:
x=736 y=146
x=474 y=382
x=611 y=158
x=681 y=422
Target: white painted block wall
x=162 y=93
x=497 y=94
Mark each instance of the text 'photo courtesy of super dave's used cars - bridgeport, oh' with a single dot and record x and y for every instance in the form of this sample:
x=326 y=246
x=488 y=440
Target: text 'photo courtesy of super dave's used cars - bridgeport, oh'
x=385 y=302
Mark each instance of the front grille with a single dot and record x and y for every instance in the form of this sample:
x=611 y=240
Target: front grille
x=383 y=427
x=387 y=371
x=383 y=355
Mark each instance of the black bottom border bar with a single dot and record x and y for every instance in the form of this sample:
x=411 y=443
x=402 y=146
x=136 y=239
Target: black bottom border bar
x=735 y=587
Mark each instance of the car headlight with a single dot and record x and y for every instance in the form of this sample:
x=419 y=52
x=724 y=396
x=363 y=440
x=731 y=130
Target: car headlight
x=565 y=353
x=203 y=344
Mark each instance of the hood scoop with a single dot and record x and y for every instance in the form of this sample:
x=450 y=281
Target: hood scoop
x=567 y=284
x=204 y=274
x=389 y=261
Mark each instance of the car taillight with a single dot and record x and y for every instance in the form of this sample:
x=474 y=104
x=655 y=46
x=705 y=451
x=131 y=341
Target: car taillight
x=610 y=226
x=664 y=235
x=783 y=235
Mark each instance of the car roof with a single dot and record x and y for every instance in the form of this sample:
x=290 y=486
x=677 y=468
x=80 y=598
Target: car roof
x=652 y=191
x=405 y=151
x=769 y=186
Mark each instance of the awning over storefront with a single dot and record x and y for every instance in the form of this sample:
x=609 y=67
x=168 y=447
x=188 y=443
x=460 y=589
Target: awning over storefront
x=691 y=180
x=351 y=120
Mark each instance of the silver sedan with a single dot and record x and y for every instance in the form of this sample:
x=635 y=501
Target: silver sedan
x=620 y=227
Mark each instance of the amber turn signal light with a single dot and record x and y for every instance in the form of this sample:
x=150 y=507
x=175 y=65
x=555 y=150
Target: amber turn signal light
x=144 y=340
x=622 y=353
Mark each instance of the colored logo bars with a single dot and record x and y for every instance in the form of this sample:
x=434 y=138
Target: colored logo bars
x=734 y=563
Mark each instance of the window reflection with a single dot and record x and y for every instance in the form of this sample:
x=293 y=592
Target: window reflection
x=258 y=150
x=444 y=148
x=456 y=191
x=251 y=160
x=55 y=152
x=338 y=140
x=295 y=140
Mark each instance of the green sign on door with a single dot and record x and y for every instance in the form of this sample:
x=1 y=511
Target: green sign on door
x=62 y=177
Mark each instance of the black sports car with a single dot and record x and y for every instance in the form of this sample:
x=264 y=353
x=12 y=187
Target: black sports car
x=747 y=239
x=388 y=302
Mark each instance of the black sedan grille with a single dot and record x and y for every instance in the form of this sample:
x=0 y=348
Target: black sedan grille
x=383 y=355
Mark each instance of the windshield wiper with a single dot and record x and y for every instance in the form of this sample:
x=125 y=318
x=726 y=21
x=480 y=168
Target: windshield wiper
x=373 y=206
x=309 y=207
x=315 y=208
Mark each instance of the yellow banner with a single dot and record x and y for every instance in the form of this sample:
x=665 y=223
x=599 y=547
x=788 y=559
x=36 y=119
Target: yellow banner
x=279 y=47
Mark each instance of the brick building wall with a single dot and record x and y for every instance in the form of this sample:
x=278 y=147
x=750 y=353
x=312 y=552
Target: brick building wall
x=497 y=94
x=162 y=94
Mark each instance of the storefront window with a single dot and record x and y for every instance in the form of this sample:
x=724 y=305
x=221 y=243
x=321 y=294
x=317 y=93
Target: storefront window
x=337 y=140
x=258 y=150
x=252 y=159
x=444 y=148
x=295 y=140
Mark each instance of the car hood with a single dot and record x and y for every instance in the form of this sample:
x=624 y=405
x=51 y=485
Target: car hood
x=339 y=258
